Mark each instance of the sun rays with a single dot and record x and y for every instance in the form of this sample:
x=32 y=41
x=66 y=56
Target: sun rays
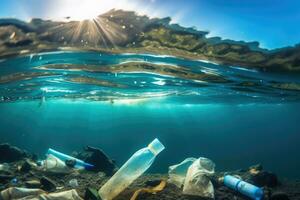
x=99 y=31
x=90 y=23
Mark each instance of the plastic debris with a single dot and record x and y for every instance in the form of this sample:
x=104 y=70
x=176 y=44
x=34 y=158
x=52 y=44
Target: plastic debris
x=4 y=167
x=73 y=183
x=33 y=183
x=137 y=164
x=57 y=162
x=177 y=173
x=197 y=181
x=66 y=195
x=64 y=157
x=153 y=190
x=243 y=187
x=193 y=175
x=19 y=193
x=54 y=165
x=15 y=193
x=14 y=181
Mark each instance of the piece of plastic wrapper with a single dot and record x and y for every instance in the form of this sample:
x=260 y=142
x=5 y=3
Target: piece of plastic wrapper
x=15 y=193
x=197 y=181
x=4 y=167
x=73 y=183
x=177 y=173
x=153 y=190
x=66 y=195
x=19 y=193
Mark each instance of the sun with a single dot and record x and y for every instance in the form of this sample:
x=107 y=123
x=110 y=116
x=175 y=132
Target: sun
x=86 y=9
x=87 y=24
x=79 y=10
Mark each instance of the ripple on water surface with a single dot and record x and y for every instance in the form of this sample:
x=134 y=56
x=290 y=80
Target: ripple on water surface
x=111 y=77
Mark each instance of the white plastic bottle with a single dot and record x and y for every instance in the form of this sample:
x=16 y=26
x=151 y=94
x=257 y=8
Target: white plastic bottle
x=137 y=164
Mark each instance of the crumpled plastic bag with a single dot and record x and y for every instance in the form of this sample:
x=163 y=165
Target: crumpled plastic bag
x=66 y=195
x=197 y=181
x=19 y=193
x=15 y=193
x=178 y=172
x=194 y=175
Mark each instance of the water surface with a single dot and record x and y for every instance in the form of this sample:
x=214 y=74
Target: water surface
x=251 y=118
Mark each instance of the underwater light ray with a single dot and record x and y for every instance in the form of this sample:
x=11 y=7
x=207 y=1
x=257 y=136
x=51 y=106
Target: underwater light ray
x=114 y=31
x=71 y=31
x=100 y=29
x=77 y=33
x=108 y=31
x=97 y=31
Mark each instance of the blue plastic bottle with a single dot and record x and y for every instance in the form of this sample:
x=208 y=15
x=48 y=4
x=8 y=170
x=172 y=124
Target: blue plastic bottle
x=64 y=157
x=243 y=187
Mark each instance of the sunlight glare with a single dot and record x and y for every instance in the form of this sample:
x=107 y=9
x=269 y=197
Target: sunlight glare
x=79 y=10
x=87 y=9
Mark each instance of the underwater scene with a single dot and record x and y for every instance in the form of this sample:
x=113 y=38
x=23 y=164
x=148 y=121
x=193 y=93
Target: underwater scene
x=149 y=100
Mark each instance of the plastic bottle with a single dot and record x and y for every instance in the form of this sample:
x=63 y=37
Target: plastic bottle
x=53 y=164
x=243 y=187
x=64 y=157
x=137 y=164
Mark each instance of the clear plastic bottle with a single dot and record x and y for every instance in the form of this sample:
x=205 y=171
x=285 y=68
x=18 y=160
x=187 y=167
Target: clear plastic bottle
x=137 y=164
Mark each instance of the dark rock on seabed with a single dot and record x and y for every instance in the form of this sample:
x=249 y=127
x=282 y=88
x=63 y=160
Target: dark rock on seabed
x=10 y=153
x=265 y=179
x=48 y=184
x=90 y=181
x=97 y=158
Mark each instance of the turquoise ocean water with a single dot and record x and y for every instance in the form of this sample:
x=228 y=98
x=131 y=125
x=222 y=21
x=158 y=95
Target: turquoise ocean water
x=236 y=126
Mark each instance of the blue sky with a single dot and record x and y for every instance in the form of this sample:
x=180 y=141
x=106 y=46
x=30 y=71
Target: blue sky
x=274 y=23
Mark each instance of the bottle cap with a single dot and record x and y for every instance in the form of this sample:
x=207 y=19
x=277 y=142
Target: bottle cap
x=156 y=146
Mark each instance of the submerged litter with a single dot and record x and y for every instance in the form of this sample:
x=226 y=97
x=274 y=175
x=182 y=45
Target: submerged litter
x=54 y=165
x=178 y=172
x=197 y=181
x=78 y=163
x=137 y=164
x=15 y=193
x=243 y=187
x=153 y=190
x=19 y=193
x=57 y=162
x=194 y=176
x=73 y=183
x=4 y=167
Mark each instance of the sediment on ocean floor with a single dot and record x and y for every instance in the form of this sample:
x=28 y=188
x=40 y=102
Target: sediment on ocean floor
x=20 y=169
